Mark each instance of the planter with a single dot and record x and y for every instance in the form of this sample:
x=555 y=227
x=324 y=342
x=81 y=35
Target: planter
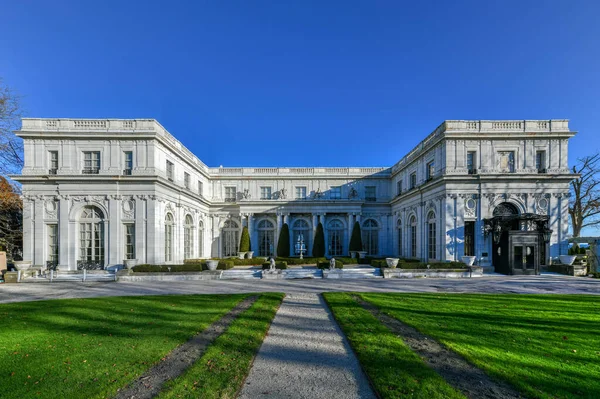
x=22 y=264
x=361 y=254
x=567 y=259
x=392 y=262
x=212 y=264
x=468 y=260
x=241 y=255
x=249 y=254
x=353 y=254
x=130 y=263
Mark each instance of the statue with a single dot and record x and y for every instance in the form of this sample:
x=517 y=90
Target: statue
x=332 y=264
x=317 y=194
x=353 y=193
x=283 y=193
x=246 y=194
x=272 y=266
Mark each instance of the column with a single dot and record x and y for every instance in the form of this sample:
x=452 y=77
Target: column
x=315 y=222
x=113 y=250
x=215 y=247
x=65 y=242
x=253 y=243
x=140 y=230
x=155 y=251
x=28 y=237
x=350 y=227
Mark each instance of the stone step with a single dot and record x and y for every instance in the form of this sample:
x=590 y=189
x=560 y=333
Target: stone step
x=242 y=274
x=302 y=273
x=362 y=273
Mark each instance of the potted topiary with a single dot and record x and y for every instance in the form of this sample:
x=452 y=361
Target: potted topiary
x=319 y=243
x=244 y=243
x=355 y=241
x=283 y=244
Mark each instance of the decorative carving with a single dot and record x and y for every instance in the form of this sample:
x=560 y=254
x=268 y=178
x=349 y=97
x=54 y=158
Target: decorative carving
x=246 y=194
x=541 y=206
x=51 y=208
x=353 y=193
x=128 y=207
x=317 y=194
x=470 y=207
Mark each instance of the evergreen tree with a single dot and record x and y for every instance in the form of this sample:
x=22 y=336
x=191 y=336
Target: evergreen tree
x=283 y=245
x=319 y=243
x=245 y=240
x=356 y=238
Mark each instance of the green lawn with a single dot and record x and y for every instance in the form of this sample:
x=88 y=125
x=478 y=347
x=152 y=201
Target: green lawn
x=88 y=348
x=394 y=370
x=222 y=369
x=547 y=346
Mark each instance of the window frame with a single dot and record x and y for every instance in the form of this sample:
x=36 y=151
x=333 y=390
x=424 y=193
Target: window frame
x=52 y=167
x=371 y=198
x=127 y=162
x=266 y=193
x=170 y=166
x=303 y=190
x=94 y=162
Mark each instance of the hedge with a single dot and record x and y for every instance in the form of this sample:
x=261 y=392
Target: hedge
x=325 y=265
x=236 y=261
x=188 y=267
x=298 y=261
x=432 y=265
x=278 y=265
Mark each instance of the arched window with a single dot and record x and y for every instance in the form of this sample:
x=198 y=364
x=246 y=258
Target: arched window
x=431 y=236
x=91 y=238
x=230 y=238
x=399 y=227
x=169 y=237
x=266 y=238
x=413 y=237
x=300 y=230
x=505 y=209
x=188 y=238
x=335 y=230
x=370 y=236
x=200 y=239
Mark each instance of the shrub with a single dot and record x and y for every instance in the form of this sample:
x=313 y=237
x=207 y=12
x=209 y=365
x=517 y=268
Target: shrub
x=245 y=240
x=319 y=242
x=355 y=239
x=188 y=267
x=298 y=261
x=432 y=265
x=380 y=263
x=325 y=265
x=148 y=268
x=278 y=265
x=347 y=261
x=283 y=245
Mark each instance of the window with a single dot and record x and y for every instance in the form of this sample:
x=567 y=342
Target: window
x=413 y=180
x=200 y=239
x=170 y=168
x=506 y=162
x=399 y=238
x=540 y=161
x=53 y=164
x=230 y=194
x=188 y=238
x=430 y=170
x=53 y=244
x=470 y=238
x=300 y=193
x=130 y=241
x=431 y=237
x=91 y=238
x=266 y=238
x=91 y=162
x=399 y=187
x=471 y=167
x=370 y=193
x=186 y=180
x=300 y=235
x=413 y=237
x=169 y=237
x=128 y=163
x=200 y=188
x=230 y=239
x=370 y=237
x=265 y=193
x=335 y=230
x=336 y=193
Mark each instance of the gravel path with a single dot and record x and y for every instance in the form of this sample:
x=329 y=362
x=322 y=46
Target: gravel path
x=305 y=355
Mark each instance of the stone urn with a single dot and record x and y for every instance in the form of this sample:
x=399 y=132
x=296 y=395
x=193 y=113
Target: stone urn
x=241 y=255
x=130 y=263
x=249 y=254
x=22 y=265
x=564 y=259
x=361 y=254
x=212 y=264
x=392 y=262
x=468 y=260
x=352 y=254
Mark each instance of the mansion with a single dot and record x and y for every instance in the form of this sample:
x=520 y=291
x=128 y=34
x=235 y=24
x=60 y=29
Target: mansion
x=105 y=190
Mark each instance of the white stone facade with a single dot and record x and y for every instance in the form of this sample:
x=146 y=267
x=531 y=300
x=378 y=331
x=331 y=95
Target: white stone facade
x=152 y=199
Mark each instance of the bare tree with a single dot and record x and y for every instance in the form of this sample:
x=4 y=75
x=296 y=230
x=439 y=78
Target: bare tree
x=11 y=146
x=584 y=207
x=11 y=220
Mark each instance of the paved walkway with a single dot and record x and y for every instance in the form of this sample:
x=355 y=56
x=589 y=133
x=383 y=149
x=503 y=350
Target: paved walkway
x=544 y=284
x=305 y=355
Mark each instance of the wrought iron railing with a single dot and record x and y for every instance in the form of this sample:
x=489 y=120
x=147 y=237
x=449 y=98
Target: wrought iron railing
x=90 y=171
x=51 y=265
x=90 y=265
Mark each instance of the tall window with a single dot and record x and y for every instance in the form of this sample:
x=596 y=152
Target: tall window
x=230 y=194
x=186 y=180
x=399 y=227
x=200 y=188
x=413 y=237
x=169 y=237
x=370 y=237
x=91 y=237
x=129 y=241
x=200 y=239
x=336 y=193
x=300 y=230
x=53 y=243
x=127 y=162
x=91 y=162
x=399 y=187
x=53 y=164
x=188 y=238
x=431 y=236
x=471 y=162
x=430 y=170
x=470 y=238
x=266 y=238
x=170 y=170
x=335 y=228
x=506 y=161
x=540 y=161
x=370 y=193
x=413 y=180
x=300 y=193
x=265 y=193
x=230 y=238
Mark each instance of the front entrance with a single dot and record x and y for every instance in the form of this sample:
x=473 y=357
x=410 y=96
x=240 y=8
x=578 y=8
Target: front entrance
x=524 y=253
